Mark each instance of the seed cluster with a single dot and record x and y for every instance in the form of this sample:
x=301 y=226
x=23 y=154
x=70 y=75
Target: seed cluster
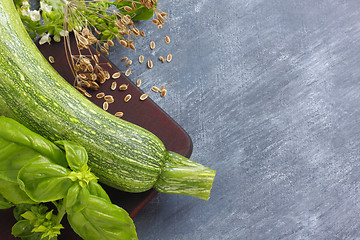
x=162 y=90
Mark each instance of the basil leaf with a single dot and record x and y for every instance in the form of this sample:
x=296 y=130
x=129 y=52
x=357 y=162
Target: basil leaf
x=13 y=157
x=96 y=190
x=22 y=229
x=143 y=14
x=76 y=155
x=13 y=131
x=77 y=198
x=44 y=181
x=5 y=204
x=102 y=220
x=12 y=192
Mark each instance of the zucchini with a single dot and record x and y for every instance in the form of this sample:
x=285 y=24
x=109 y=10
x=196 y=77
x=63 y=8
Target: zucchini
x=123 y=155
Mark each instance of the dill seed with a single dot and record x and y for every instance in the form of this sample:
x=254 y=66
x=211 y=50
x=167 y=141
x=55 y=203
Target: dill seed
x=124 y=59
x=161 y=59
x=141 y=58
x=94 y=85
x=144 y=96
x=128 y=72
x=169 y=57
x=128 y=9
x=86 y=94
x=82 y=76
x=152 y=45
x=167 y=39
x=110 y=43
x=113 y=85
x=163 y=93
x=110 y=66
x=155 y=21
x=119 y=114
x=128 y=63
x=123 y=87
x=90 y=68
x=133 y=5
x=102 y=49
x=132 y=47
x=100 y=95
x=95 y=58
x=106 y=45
x=116 y=75
x=109 y=98
x=150 y=64
x=105 y=106
x=138 y=82
x=51 y=59
x=127 y=98
x=93 y=76
x=142 y=33
x=155 y=89
x=123 y=43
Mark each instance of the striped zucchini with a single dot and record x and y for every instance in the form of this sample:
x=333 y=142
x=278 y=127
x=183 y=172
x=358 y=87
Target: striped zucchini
x=121 y=154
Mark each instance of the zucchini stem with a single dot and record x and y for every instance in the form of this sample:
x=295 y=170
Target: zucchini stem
x=181 y=175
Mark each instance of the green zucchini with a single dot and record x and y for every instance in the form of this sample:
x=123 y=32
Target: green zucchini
x=121 y=154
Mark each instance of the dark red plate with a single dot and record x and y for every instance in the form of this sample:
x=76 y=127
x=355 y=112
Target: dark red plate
x=143 y=113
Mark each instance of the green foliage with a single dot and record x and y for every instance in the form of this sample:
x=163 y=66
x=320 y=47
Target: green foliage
x=52 y=13
x=31 y=175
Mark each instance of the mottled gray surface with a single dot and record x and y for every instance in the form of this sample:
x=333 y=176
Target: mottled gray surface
x=269 y=91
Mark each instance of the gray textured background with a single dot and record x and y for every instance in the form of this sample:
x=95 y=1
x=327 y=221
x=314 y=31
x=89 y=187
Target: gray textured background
x=269 y=92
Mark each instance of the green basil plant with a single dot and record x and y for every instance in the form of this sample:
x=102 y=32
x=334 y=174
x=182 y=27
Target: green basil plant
x=35 y=172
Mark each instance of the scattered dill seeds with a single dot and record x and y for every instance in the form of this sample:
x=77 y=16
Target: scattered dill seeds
x=169 y=57
x=105 y=106
x=110 y=42
x=119 y=114
x=144 y=96
x=155 y=89
x=123 y=43
x=116 y=75
x=128 y=9
x=128 y=63
x=95 y=58
x=150 y=64
x=152 y=45
x=161 y=59
x=141 y=58
x=51 y=59
x=113 y=85
x=127 y=98
x=124 y=59
x=133 y=5
x=138 y=82
x=167 y=39
x=128 y=72
x=163 y=93
x=100 y=95
x=123 y=87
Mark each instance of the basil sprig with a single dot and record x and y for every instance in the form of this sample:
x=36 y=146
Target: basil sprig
x=34 y=171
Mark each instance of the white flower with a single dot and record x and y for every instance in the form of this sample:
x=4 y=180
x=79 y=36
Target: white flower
x=35 y=15
x=25 y=12
x=64 y=33
x=45 y=7
x=45 y=38
x=25 y=4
